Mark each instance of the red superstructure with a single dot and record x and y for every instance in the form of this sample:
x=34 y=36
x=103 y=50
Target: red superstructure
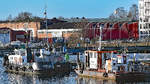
x=113 y=31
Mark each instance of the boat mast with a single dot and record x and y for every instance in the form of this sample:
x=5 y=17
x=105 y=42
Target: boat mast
x=100 y=38
x=45 y=14
x=26 y=34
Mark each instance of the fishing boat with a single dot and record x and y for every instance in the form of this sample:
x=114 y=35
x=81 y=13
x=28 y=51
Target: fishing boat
x=111 y=65
x=34 y=62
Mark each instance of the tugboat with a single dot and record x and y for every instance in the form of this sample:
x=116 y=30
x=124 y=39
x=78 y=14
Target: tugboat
x=42 y=62
x=111 y=65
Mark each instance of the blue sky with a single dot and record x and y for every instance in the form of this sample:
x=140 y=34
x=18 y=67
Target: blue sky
x=65 y=8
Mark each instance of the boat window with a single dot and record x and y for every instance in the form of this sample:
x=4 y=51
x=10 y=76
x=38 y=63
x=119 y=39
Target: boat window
x=119 y=60
x=95 y=54
x=11 y=58
x=124 y=60
x=37 y=54
x=13 y=53
x=105 y=56
x=91 y=54
x=22 y=53
x=118 y=68
x=17 y=52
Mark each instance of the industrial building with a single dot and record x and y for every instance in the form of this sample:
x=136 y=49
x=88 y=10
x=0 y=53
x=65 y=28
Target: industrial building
x=7 y=35
x=62 y=29
x=113 y=31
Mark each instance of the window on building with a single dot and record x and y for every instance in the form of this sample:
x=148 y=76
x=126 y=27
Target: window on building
x=140 y=26
x=48 y=32
x=140 y=19
x=146 y=19
x=91 y=55
x=95 y=55
x=41 y=32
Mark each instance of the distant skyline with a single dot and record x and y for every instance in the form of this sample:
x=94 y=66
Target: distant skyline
x=64 y=8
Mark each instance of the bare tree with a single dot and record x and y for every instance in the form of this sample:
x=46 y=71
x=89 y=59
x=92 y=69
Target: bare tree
x=9 y=18
x=112 y=16
x=120 y=12
x=61 y=18
x=24 y=16
x=133 y=12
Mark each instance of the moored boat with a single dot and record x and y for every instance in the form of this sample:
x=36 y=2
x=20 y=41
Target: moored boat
x=111 y=65
x=36 y=62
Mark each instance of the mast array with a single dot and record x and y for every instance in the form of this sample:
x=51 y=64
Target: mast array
x=45 y=14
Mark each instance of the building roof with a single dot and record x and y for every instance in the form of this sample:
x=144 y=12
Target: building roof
x=65 y=25
x=4 y=30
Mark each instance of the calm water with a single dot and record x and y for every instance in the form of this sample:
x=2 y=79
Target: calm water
x=72 y=78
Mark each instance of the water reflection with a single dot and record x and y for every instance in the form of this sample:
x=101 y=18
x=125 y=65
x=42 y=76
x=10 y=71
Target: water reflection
x=10 y=78
x=72 y=78
x=85 y=80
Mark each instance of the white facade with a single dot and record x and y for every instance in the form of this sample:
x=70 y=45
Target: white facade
x=57 y=32
x=32 y=32
x=144 y=18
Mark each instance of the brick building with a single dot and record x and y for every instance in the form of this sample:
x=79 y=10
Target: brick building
x=113 y=31
x=56 y=28
x=7 y=35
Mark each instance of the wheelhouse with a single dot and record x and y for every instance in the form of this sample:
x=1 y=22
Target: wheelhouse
x=97 y=59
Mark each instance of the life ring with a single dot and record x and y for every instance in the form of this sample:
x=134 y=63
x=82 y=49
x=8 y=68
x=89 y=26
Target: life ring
x=105 y=74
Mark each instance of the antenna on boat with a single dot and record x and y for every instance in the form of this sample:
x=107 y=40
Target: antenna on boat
x=100 y=38
x=45 y=14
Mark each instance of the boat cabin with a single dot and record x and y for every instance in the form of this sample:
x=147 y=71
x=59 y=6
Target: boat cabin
x=97 y=59
x=19 y=57
x=107 y=61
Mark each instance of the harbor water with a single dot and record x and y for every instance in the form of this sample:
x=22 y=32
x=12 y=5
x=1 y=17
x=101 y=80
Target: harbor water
x=72 y=78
